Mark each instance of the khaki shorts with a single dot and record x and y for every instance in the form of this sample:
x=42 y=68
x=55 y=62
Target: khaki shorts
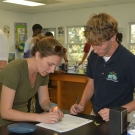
x=92 y=113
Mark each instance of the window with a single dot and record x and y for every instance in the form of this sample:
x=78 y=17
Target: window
x=132 y=33
x=76 y=41
x=11 y=56
x=132 y=37
x=52 y=30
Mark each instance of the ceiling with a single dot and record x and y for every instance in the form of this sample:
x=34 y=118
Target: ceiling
x=59 y=5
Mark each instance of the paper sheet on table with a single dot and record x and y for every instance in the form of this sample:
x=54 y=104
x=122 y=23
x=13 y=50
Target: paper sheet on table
x=68 y=123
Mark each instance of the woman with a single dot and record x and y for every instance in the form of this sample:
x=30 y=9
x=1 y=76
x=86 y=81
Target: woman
x=50 y=35
x=22 y=78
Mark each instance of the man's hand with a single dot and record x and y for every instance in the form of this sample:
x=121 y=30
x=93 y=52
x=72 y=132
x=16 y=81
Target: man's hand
x=104 y=113
x=76 y=108
x=80 y=63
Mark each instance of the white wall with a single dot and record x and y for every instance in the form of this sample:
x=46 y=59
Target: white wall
x=123 y=13
x=8 y=18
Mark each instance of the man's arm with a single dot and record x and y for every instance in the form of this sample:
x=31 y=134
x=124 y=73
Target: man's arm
x=104 y=113
x=88 y=92
x=130 y=106
x=131 y=76
x=3 y=63
x=83 y=58
x=27 y=48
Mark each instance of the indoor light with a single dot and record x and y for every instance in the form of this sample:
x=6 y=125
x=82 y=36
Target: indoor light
x=24 y=2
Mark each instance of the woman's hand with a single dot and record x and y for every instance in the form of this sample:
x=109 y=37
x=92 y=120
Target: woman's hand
x=76 y=108
x=55 y=109
x=50 y=118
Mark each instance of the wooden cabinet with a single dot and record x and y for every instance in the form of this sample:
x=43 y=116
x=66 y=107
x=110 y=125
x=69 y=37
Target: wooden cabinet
x=69 y=86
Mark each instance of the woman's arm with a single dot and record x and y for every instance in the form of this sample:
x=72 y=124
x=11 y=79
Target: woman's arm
x=44 y=99
x=8 y=113
x=45 y=103
x=3 y=63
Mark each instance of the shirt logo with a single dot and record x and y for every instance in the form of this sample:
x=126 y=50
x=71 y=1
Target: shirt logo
x=112 y=76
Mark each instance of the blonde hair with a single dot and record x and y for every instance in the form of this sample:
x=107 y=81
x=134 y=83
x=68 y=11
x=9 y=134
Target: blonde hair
x=47 y=47
x=37 y=39
x=107 y=26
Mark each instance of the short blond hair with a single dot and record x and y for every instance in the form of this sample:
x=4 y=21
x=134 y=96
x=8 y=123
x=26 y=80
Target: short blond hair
x=106 y=24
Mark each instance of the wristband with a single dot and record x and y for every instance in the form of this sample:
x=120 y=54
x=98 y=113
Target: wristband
x=66 y=60
x=52 y=104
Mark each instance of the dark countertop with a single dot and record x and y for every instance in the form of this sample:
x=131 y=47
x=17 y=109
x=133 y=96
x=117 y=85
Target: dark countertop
x=88 y=129
x=74 y=72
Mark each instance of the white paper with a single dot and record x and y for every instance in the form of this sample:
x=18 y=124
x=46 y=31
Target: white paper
x=68 y=123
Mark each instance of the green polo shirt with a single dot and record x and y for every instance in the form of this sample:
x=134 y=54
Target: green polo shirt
x=15 y=76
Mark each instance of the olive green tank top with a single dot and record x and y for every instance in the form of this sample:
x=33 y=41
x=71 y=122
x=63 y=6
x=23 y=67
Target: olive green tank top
x=15 y=76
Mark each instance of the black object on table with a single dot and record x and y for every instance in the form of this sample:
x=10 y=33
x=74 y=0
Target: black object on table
x=88 y=129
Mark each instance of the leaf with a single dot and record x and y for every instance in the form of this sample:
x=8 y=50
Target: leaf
x=97 y=124
x=60 y=120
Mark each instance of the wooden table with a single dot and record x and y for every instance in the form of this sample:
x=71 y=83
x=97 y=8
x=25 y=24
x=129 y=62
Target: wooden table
x=69 y=86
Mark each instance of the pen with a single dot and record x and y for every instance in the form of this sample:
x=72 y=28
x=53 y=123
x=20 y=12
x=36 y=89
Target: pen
x=77 y=99
x=77 y=102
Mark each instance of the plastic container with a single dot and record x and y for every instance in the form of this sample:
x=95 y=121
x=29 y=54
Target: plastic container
x=131 y=127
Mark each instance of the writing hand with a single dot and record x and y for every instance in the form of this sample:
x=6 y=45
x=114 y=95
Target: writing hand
x=76 y=108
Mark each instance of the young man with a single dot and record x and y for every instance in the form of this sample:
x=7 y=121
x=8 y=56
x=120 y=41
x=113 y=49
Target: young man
x=111 y=69
x=3 y=50
x=37 y=29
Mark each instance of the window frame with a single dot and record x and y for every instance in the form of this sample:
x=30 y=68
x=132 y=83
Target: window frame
x=130 y=24
x=77 y=43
